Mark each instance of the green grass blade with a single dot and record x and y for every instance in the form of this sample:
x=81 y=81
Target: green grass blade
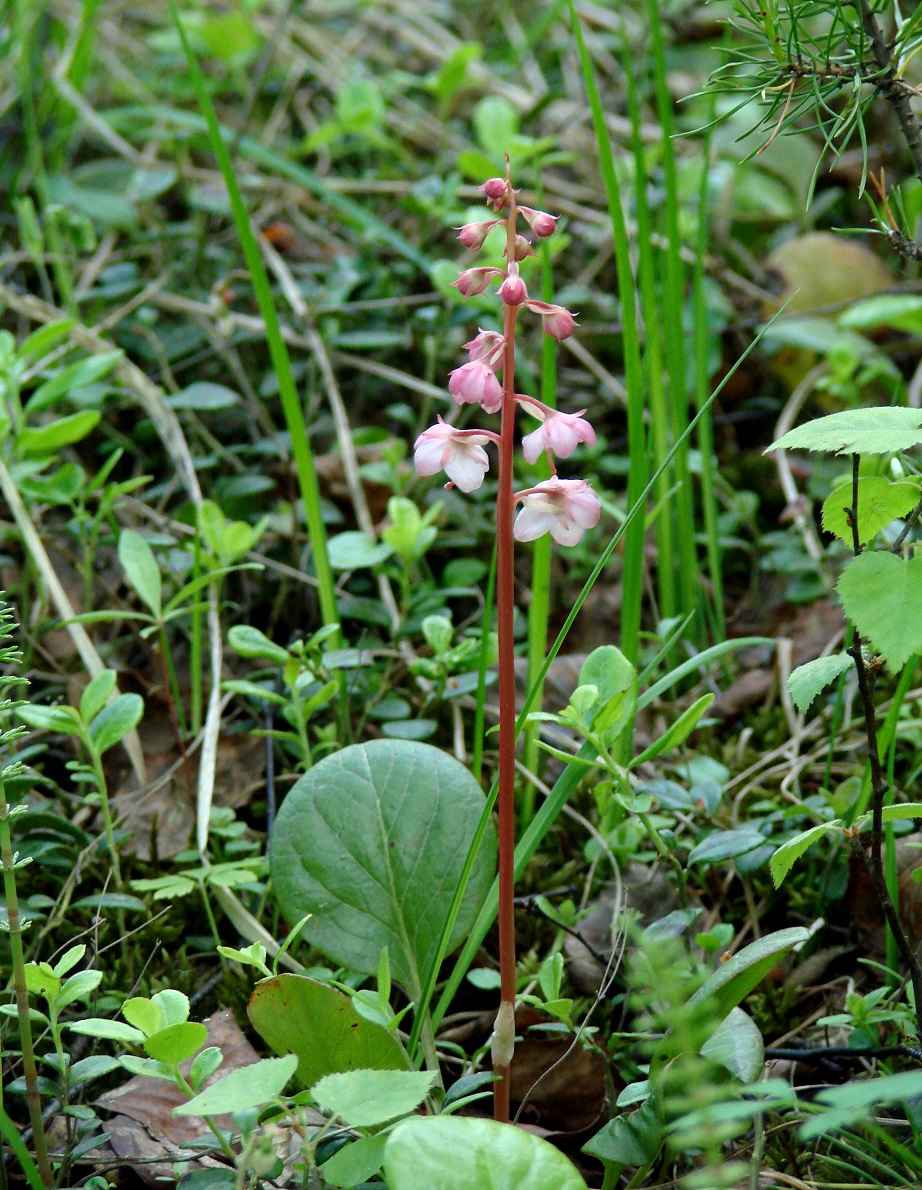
x=11 y=1135
x=291 y=404
x=633 y=371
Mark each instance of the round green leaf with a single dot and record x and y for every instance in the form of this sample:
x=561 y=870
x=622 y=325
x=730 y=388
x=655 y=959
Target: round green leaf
x=176 y=1043
x=355 y=550
x=446 y=1152
x=371 y=842
x=366 y=1098
x=318 y=1024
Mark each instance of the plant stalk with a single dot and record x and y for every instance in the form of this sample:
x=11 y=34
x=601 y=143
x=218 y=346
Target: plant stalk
x=8 y=863
x=505 y=597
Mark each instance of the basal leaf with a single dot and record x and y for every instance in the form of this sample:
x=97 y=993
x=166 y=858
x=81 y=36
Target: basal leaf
x=808 y=680
x=876 y=431
x=880 y=502
x=371 y=842
x=732 y=982
x=737 y=1045
x=791 y=851
x=882 y=596
x=448 y=1152
x=318 y=1023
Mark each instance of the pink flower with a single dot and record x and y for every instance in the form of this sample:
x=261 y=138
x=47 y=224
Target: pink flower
x=557 y=321
x=496 y=191
x=541 y=223
x=512 y=290
x=565 y=508
x=523 y=248
x=472 y=235
x=459 y=453
x=474 y=281
x=475 y=383
x=559 y=433
x=486 y=345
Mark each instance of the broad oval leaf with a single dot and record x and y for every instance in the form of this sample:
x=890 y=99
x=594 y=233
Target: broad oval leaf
x=317 y=1023
x=678 y=732
x=371 y=842
x=356 y=1162
x=63 y=719
x=250 y=1086
x=736 y=1044
x=141 y=569
x=366 y=1098
x=733 y=980
x=791 y=851
x=355 y=551
x=447 y=1152
x=810 y=679
x=882 y=596
x=721 y=845
x=877 y=431
x=115 y=721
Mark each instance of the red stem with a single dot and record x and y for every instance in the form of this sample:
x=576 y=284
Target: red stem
x=505 y=597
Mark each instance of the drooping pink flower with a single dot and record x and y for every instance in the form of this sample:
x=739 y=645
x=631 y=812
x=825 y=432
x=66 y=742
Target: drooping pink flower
x=565 y=508
x=459 y=453
x=472 y=235
x=557 y=321
x=474 y=281
x=475 y=383
x=512 y=290
x=560 y=433
x=523 y=248
x=541 y=223
x=486 y=345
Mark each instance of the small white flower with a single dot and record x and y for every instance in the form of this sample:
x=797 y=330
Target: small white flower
x=565 y=508
x=459 y=453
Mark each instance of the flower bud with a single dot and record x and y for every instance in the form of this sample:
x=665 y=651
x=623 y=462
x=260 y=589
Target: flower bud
x=523 y=248
x=472 y=235
x=557 y=321
x=496 y=192
x=474 y=281
x=541 y=223
x=512 y=290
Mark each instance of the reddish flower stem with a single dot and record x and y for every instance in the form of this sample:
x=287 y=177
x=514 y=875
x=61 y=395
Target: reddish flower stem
x=505 y=597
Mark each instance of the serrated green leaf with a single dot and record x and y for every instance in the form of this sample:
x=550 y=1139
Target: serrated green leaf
x=882 y=596
x=250 y=1086
x=791 y=851
x=880 y=502
x=877 y=431
x=808 y=680
x=366 y=1098
x=141 y=569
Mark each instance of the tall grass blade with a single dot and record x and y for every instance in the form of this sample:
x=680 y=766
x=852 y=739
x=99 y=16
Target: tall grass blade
x=291 y=404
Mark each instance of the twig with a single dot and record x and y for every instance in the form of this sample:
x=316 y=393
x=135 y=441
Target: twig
x=872 y=858
x=889 y=85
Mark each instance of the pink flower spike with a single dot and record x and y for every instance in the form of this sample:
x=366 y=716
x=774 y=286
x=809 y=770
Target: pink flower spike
x=472 y=235
x=475 y=383
x=565 y=508
x=474 y=281
x=557 y=322
x=459 y=453
x=541 y=223
x=512 y=290
x=560 y=433
x=486 y=345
